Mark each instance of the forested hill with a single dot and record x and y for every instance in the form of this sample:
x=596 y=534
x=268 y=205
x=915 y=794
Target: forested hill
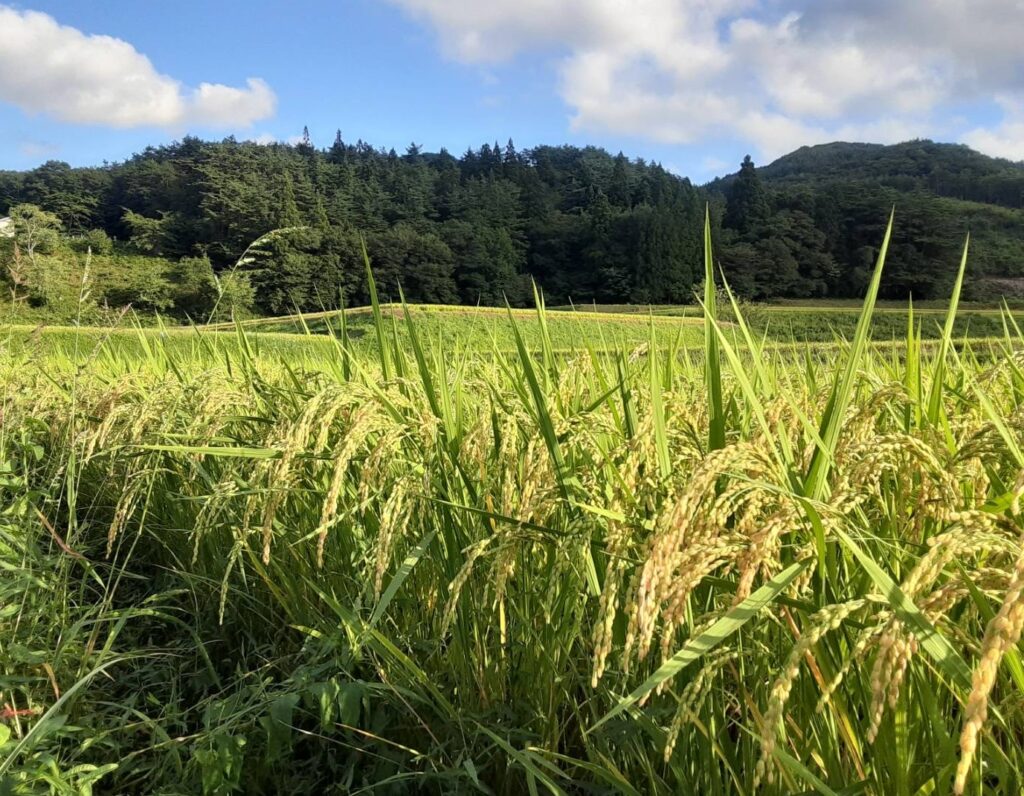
x=827 y=204
x=585 y=224
x=951 y=170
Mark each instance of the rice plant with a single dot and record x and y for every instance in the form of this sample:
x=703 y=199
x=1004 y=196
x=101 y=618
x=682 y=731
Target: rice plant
x=439 y=563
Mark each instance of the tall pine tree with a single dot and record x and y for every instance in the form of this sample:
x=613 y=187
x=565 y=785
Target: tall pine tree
x=746 y=206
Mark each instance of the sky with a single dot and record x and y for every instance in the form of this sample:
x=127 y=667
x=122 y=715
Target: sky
x=692 y=84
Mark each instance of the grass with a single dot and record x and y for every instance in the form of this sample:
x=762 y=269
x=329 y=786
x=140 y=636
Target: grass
x=67 y=348
x=487 y=327
x=296 y=338
x=825 y=321
x=627 y=325
x=472 y=552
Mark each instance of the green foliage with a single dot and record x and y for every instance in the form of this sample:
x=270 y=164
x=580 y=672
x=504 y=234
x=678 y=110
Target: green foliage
x=474 y=229
x=236 y=298
x=36 y=231
x=422 y=263
x=39 y=269
x=148 y=235
x=86 y=278
x=139 y=282
x=304 y=269
x=194 y=287
x=490 y=263
x=949 y=170
x=98 y=242
x=746 y=207
x=56 y=280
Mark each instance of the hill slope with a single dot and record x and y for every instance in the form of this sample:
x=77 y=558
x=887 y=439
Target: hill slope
x=951 y=170
x=844 y=190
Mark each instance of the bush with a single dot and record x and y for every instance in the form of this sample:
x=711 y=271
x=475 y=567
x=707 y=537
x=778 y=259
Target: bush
x=137 y=281
x=98 y=242
x=237 y=297
x=194 y=287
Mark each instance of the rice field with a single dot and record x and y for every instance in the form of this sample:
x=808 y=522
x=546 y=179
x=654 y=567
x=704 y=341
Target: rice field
x=679 y=559
x=612 y=326
x=487 y=328
x=825 y=321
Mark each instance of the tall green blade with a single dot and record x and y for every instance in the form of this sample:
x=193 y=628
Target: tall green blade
x=421 y=360
x=938 y=377
x=563 y=474
x=547 y=349
x=378 y=320
x=942 y=652
x=658 y=409
x=346 y=343
x=912 y=372
x=842 y=389
x=568 y=484
x=712 y=362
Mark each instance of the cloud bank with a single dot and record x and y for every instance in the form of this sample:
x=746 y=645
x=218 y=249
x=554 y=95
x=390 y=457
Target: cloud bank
x=775 y=73
x=73 y=77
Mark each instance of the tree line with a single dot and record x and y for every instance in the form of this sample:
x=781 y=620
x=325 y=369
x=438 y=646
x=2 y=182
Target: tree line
x=584 y=224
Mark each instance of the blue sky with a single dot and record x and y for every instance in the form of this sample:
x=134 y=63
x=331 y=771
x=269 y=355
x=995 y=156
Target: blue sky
x=694 y=84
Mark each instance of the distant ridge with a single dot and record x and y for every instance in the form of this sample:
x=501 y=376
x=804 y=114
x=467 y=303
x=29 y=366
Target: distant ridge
x=951 y=170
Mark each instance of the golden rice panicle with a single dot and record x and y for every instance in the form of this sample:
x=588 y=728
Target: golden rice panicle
x=215 y=505
x=818 y=625
x=504 y=567
x=895 y=648
x=1001 y=634
x=861 y=645
x=620 y=537
x=368 y=432
x=308 y=432
x=932 y=488
x=692 y=694
x=622 y=540
x=763 y=549
x=394 y=519
x=972 y=531
x=690 y=540
x=460 y=580
x=969 y=532
x=1017 y=492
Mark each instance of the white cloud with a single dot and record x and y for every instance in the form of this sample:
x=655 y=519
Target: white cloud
x=225 y=106
x=714 y=165
x=263 y=138
x=774 y=73
x=1005 y=140
x=31 y=148
x=59 y=71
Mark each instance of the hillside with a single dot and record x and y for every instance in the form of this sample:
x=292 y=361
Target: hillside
x=952 y=170
x=940 y=192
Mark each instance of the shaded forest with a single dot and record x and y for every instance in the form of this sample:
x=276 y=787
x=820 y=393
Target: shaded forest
x=586 y=225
